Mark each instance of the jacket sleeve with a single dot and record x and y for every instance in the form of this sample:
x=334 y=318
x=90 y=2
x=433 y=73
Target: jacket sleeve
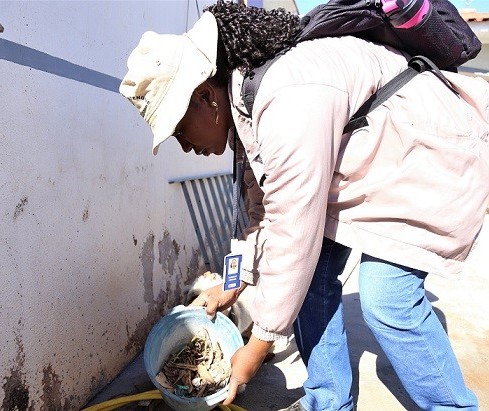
x=299 y=131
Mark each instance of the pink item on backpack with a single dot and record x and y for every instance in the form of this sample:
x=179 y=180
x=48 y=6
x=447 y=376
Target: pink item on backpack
x=405 y=14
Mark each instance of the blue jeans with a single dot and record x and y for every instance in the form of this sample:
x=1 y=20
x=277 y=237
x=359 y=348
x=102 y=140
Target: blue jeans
x=396 y=310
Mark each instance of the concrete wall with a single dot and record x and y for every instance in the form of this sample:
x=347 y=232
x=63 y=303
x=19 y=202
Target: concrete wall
x=95 y=244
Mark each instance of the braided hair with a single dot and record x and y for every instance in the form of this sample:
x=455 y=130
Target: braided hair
x=248 y=36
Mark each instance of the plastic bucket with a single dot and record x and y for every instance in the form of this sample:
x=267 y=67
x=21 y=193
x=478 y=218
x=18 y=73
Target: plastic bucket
x=173 y=332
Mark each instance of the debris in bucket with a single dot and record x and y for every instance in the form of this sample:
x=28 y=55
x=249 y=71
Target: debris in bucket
x=197 y=370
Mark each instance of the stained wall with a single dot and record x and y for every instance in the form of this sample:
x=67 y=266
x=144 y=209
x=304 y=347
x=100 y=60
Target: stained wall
x=95 y=243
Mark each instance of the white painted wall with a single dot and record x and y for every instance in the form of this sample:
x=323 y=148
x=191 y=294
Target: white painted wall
x=95 y=244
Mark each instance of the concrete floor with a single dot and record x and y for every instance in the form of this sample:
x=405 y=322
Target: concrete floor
x=462 y=305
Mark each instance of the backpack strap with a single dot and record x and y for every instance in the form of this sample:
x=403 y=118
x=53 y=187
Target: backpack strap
x=416 y=65
x=251 y=83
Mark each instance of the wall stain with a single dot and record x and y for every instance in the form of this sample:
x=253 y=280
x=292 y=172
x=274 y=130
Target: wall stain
x=134 y=240
x=169 y=250
x=176 y=246
x=193 y=268
x=167 y=297
x=176 y=297
x=168 y=253
x=16 y=392
x=19 y=208
x=86 y=212
x=99 y=381
x=137 y=339
x=147 y=261
x=51 y=391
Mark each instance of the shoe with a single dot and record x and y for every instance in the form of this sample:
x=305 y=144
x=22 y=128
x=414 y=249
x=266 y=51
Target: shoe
x=296 y=406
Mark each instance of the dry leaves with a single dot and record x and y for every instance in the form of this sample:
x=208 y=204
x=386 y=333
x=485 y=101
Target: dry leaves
x=197 y=370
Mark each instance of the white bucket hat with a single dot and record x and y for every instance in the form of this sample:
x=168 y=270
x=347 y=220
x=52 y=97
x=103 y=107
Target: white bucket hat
x=165 y=69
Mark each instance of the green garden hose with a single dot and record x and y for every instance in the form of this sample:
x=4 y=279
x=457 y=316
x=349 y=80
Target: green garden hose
x=148 y=395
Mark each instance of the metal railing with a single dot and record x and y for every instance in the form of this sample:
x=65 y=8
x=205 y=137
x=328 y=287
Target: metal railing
x=209 y=202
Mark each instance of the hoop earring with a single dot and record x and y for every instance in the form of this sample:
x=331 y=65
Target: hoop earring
x=214 y=104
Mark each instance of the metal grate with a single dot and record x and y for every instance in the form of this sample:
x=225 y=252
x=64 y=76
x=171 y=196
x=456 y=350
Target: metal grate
x=209 y=202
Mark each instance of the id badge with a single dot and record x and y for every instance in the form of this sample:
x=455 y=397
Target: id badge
x=232 y=271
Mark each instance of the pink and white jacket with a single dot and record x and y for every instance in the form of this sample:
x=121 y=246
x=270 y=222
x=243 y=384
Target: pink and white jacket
x=411 y=188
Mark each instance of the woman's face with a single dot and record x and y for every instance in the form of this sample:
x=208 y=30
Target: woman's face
x=204 y=127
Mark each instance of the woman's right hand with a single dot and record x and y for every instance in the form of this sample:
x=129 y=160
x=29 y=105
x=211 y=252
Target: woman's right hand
x=216 y=299
x=245 y=363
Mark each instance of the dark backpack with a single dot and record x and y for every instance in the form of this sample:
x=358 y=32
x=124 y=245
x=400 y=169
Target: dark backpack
x=442 y=40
